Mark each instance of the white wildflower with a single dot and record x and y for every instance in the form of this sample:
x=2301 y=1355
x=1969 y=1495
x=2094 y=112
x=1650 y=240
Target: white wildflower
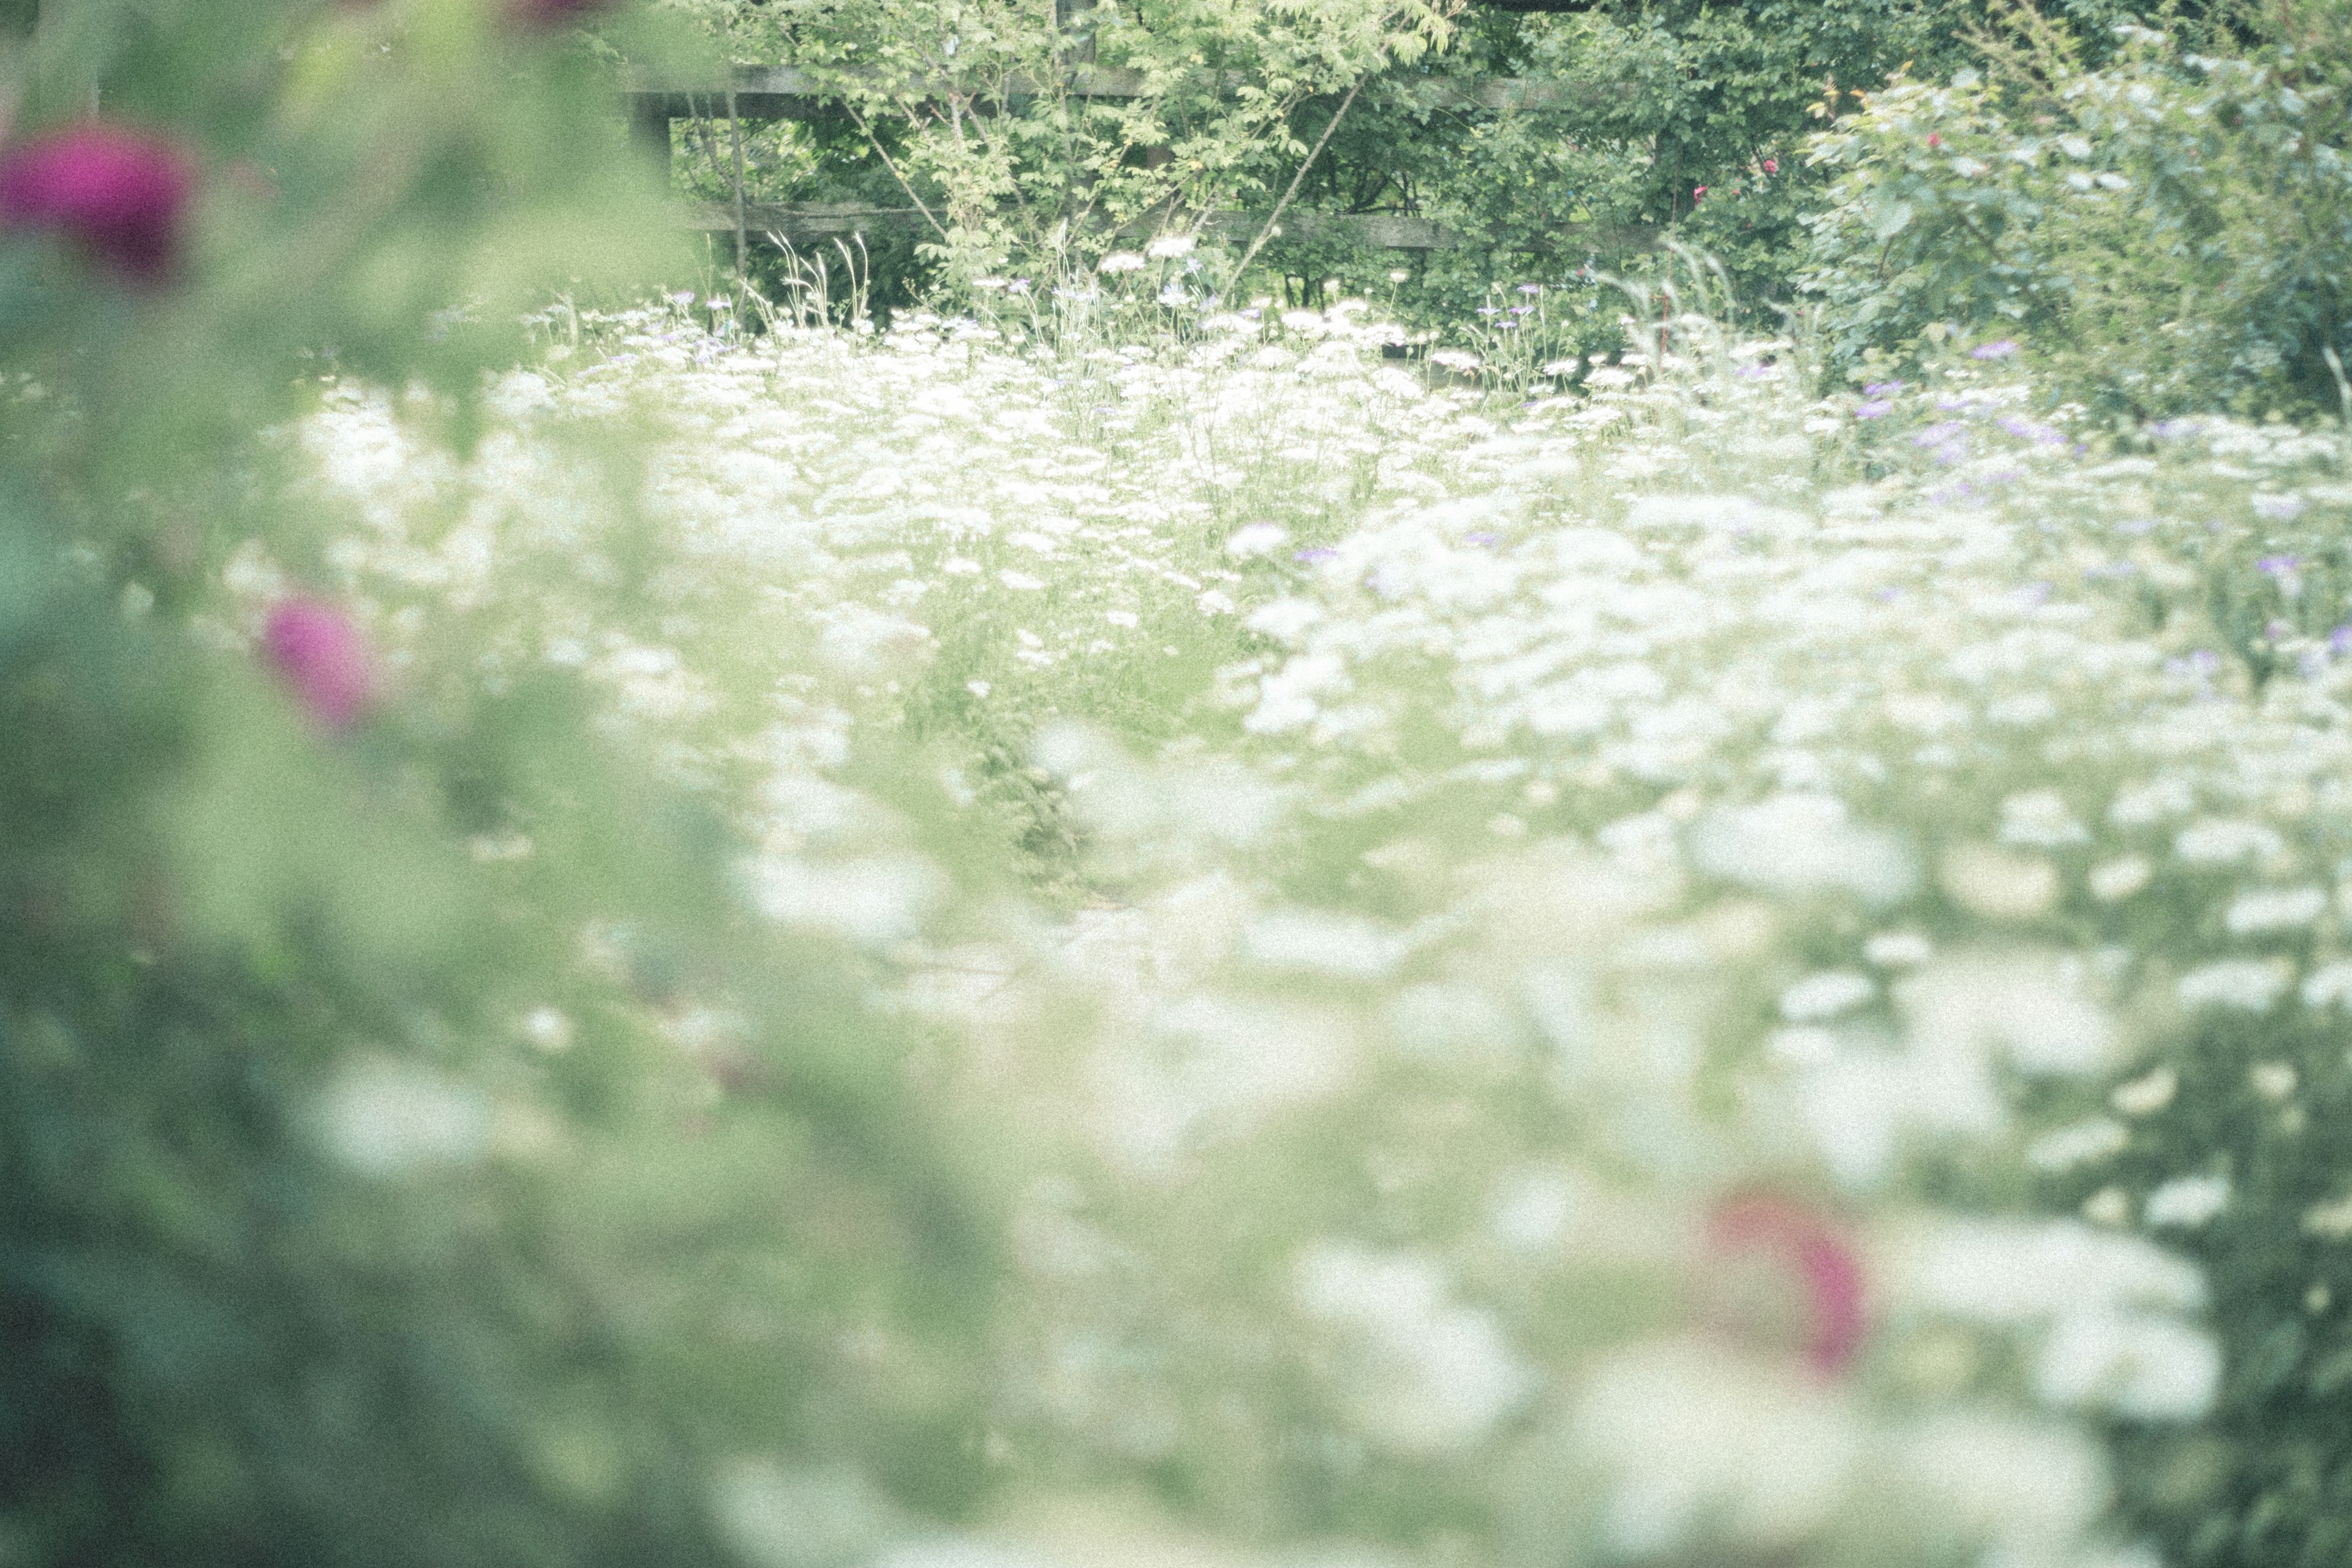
x=2143 y=1366
x=2247 y=984
x=1825 y=995
x=2147 y=1095
x=1899 y=950
x=2330 y=985
x=2218 y=841
x=1255 y=539
x=391 y=1118
x=1419 y=1373
x=2118 y=879
x=2040 y=819
x=2078 y=1143
x=2274 y=909
x=2187 y=1202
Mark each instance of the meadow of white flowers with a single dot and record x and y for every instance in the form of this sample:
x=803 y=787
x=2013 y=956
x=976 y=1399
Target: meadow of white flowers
x=1668 y=969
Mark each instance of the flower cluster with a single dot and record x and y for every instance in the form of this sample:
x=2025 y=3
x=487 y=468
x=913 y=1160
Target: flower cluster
x=1647 y=966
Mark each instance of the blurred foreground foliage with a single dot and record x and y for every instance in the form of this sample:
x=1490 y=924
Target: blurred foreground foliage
x=358 y=1211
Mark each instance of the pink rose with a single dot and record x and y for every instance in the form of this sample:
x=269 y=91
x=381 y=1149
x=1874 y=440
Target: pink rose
x=1826 y=1269
x=319 y=652
x=118 y=191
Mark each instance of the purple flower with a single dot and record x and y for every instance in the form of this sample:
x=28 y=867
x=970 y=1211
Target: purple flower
x=1482 y=538
x=1531 y=288
x=118 y=191
x=2002 y=349
x=319 y=653
x=1882 y=388
x=1320 y=552
x=2339 y=641
x=2277 y=565
x=1878 y=408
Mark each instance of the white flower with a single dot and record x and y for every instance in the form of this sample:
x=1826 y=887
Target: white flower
x=1801 y=844
x=2188 y=1201
x=2143 y=1366
x=2330 y=985
x=1168 y=247
x=547 y=1028
x=1345 y=947
x=2119 y=880
x=1020 y=581
x=2079 y=1143
x=1689 y=1437
x=2023 y=1271
x=2274 y=909
x=2219 y=841
x=1899 y=950
x=2248 y=984
x=2147 y=1095
x=1121 y=261
x=1825 y=995
x=1254 y=539
x=391 y=1118
x=2040 y=819
x=1419 y=1373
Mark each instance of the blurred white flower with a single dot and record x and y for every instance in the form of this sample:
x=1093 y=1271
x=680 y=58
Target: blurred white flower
x=2274 y=909
x=389 y=1119
x=1799 y=844
x=2247 y=984
x=1254 y=539
x=2222 y=841
x=2142 y=1366
x=1418 y=1373
x=2187 y=1202
x=1825 y=995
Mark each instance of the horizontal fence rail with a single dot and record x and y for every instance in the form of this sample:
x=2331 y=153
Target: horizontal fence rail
x=787 y=93
x=807 y=222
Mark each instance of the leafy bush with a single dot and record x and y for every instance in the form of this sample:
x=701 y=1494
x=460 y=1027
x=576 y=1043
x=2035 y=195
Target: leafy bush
x=2169 y=231
x=374 y=1193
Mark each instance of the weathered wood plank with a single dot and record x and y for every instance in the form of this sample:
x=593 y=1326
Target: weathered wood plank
x=787 y=93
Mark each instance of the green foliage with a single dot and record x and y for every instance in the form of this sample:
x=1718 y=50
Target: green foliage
x=380 y=1190
x=2169 y=231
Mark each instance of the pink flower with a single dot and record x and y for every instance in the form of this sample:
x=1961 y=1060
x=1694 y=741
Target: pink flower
x=1822 y=1261
x=1698 y=194
x=319 y=652
x=1934 y=139
x=120 y=193
x=1772 y=165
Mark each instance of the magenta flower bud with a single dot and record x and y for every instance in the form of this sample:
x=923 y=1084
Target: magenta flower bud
x=319 y=652
x=1827 y=1270
x=120 y=193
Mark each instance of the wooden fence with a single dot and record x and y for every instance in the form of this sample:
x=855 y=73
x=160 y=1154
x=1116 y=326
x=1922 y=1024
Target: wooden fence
x=784 y=92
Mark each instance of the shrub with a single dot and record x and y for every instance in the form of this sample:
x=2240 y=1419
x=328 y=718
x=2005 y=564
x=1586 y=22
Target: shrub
x=2169 y=231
